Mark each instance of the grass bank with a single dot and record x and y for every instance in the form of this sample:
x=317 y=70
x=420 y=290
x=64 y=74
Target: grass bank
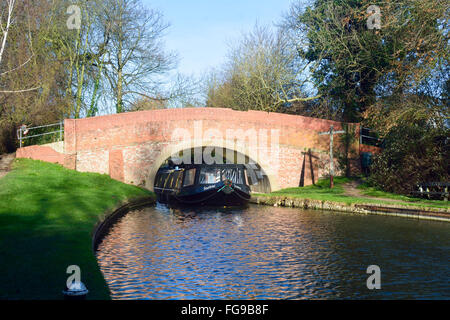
x=368 y=195
x=47 y=217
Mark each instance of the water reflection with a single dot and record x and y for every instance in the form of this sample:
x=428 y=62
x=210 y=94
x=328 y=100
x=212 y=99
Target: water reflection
x=272 y=253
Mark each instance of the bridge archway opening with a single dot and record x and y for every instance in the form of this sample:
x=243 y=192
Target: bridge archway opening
x=258 y=179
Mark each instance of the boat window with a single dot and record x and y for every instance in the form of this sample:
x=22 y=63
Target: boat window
x=173 y=179
x=232 y=174
x=162 y=180
x=177 y=180
x=189 y=177
x=173 y=176
x=168 y=181
x=209 y=175
x=157 y=179
x=246 y=177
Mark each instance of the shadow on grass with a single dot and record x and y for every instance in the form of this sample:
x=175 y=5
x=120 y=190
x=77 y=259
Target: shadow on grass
x=47 y=216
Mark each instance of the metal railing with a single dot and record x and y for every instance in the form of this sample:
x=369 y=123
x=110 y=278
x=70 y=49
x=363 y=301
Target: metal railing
x=433 y=190
x=23 y=132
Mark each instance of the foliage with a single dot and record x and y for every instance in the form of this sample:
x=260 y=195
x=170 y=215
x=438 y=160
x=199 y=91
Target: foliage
x=49 y=71
x=394 y=79
x=32 y=77
x=419 y=106
x=414 y=153
x=358 y=65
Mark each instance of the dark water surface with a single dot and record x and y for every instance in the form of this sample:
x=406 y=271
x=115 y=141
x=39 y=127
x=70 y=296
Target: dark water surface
x=273 y=253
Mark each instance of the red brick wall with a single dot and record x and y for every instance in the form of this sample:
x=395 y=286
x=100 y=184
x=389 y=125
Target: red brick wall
x=40 y=153
x=127 y=145
x=140 y=127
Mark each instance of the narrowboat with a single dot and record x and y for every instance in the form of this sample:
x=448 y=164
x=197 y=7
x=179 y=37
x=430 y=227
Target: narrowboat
x=205 y=185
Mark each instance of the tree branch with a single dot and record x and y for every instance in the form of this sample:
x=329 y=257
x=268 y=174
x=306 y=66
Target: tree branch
x=20 y=91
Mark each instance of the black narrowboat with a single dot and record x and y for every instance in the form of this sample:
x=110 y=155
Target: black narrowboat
x=209 y=185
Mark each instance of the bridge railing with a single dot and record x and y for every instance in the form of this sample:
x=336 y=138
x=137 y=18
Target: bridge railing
x=40 y=134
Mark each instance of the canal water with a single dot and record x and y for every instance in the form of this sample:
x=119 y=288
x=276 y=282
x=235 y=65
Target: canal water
x=273 y=253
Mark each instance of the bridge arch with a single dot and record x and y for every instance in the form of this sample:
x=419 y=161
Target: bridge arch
x=175 y=149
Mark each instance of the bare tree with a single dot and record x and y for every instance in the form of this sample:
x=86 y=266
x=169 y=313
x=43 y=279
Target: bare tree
x=135 y=57
x=5 y=30
x=8 y=7
x=32 y=71
x=263 y=72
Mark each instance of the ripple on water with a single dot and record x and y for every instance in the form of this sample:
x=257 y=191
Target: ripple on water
x=272 y=253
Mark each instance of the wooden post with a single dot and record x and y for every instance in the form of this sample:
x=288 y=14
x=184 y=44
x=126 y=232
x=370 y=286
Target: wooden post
x=331 y=133
x=331 y=158
x=20 y=137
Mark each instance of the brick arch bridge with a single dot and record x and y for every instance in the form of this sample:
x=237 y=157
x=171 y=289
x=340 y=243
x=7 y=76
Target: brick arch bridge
x=130 y=147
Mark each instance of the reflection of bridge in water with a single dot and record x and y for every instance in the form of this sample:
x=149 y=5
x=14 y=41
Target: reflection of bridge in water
x=284 y=150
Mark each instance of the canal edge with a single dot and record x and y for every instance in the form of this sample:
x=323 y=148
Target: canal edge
x=397 y=211
x=110 y=217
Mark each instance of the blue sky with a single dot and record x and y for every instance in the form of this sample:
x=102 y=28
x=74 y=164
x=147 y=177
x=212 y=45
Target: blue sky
x=201 y=30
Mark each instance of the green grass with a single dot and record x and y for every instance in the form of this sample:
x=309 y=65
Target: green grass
x=321 y=191
x=47 y=217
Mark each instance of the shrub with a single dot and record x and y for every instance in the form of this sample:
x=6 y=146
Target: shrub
x=413 y=153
